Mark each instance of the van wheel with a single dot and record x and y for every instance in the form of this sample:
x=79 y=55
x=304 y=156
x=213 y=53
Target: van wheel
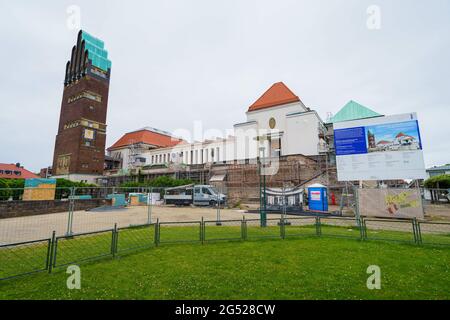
x=212 y=203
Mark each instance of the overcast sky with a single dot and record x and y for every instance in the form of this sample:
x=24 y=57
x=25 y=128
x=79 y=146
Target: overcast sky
x=176 y=62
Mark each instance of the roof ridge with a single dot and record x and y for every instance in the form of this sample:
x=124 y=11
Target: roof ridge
x=278 y=94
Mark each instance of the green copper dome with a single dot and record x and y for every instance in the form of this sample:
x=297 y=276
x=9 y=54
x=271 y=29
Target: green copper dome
x=353 y=111
x=96 y=51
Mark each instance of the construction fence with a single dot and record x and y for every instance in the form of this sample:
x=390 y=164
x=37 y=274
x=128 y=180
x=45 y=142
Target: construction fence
x=28 y=214
x=57 y=251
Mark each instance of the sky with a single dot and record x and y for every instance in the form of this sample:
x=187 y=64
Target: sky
x=175 y=62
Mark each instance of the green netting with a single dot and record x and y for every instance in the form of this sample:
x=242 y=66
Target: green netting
x=96 y=51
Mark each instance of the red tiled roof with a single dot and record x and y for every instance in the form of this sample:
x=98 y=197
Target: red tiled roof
x=277 y=95
x=146 y=136
x=24 y=173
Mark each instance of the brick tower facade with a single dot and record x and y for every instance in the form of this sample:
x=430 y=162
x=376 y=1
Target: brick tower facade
x=80 y=142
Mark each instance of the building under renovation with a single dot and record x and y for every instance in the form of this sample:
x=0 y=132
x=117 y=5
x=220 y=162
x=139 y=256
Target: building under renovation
x=282 y=139
x=281 y=135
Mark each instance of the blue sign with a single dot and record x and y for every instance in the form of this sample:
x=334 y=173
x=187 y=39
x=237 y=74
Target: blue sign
x=350 y=141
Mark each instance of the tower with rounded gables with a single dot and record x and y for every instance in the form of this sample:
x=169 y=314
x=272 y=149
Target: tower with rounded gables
x=80 y=142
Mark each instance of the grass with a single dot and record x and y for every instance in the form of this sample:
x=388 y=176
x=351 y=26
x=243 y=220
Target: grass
x=295 y=268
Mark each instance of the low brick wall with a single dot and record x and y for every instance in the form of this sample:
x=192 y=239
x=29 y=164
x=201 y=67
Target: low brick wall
x=20 y=208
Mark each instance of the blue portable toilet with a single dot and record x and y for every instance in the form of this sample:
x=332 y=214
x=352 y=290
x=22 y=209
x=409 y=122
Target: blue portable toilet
x=318 y=197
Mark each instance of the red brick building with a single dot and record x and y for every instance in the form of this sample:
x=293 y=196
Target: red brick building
x=80 y=142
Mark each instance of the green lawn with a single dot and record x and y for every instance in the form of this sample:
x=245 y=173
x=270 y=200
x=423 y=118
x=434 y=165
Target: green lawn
x=295 y=268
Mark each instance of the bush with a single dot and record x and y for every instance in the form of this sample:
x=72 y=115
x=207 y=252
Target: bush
x=438 y=182
x=14 y=188
x=64 y=183
x=160 y=182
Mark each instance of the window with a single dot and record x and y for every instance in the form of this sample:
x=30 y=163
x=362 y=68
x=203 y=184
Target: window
x=206 y=191
x=197 y=190
x=89 y=134
x=71 y=125
x=85 y=94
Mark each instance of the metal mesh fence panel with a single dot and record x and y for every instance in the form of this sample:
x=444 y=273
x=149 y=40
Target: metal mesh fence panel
x=24 y=258
x=134 y=238
x=29 y=228
x=124 y=206
x=256 y=231
x=435 y=233
x=228 y=230
x=43 y=211
x=173 y=232
x=340 y=227
x=83 y=247
x=389 y=229
x=300 y=226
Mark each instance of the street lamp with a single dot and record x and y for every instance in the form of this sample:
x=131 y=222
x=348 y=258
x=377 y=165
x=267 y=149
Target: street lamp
x=262 y=188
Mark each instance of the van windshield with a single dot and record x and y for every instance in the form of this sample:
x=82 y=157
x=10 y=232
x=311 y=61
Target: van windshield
x=213 y=190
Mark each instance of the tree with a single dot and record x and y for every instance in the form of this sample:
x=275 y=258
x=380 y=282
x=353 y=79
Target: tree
x=436 y=184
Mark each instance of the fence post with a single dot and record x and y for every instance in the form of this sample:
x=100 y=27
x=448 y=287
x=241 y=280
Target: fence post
x=244 y=229
x=318 y=227
x=157 y=232
x=364 y=228
x=357 y=208
x=202 y=231
x=71 y=210
x=419 y=231
x=416 y=231
x=114 y=240
x=149 y=205
x=360 y=222
x=51 y=252
x=282 y=228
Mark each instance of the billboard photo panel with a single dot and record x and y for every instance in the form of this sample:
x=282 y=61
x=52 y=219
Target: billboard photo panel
x=380 y=148
x=390 y=203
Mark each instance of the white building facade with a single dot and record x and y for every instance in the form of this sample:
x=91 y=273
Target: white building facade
x=278 y=124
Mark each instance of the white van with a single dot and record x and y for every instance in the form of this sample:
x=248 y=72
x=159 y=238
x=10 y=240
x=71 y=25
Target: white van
x=198 y=195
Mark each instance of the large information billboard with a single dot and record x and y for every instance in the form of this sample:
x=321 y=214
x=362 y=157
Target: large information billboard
x=380 y=148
